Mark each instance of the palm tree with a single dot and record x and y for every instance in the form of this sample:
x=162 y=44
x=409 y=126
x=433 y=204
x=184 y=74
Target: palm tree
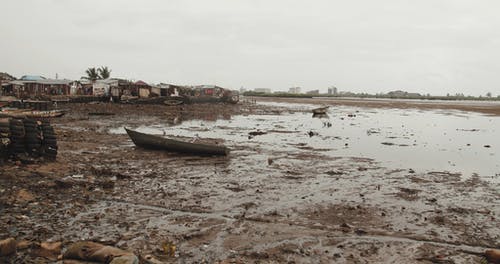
x=92 y=74
x=104 y=72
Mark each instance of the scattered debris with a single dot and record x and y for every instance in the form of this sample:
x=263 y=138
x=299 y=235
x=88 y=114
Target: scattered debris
x=24 y=196
x=257 y=133
x=311 y=133
x=91 y=251
x=493 y=255
x=334 y=172
x=372 y=131
x=49 y=250
x=8 y=247
x=468 y=130
x=101 y=114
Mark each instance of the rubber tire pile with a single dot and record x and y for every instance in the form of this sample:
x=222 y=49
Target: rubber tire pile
x=27 y=136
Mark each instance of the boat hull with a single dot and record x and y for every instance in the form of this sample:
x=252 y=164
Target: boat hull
x=159 y=143
x=32 y=114
x=320 y=111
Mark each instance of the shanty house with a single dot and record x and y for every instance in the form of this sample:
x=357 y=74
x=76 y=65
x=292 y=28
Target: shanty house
x=144 y=88
x=5 y=79
x=81 y=87
x=103 y=87
x=36 y=86
x=164 y=89
x=208 y=90
x=114 y=87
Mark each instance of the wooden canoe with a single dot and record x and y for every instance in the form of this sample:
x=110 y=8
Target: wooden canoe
x=319 y=111
x=33 y=113
x=160 y=143
x=173 y=102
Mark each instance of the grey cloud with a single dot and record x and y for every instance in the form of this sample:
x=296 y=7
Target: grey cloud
x=430 y=46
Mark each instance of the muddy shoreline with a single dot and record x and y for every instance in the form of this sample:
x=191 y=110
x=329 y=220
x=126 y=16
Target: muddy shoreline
x=261 y=204
x=490 y=108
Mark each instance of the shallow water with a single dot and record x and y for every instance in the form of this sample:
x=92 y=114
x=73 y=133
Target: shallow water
x=424 y=141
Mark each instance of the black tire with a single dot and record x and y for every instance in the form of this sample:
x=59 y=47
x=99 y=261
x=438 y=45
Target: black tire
x=32 y=141
x=54 y=147
x=33 y=145
x=17 y=128
x=17 y=131
x=50 y=142
x=16 y=136
x=50 y=151
x=16 y=140
x=32 y=133
x=18 y=150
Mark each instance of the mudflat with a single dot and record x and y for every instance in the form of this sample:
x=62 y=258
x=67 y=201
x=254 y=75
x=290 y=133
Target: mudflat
x=371 y=182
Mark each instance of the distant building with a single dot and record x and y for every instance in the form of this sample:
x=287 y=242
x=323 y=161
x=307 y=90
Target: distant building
x=294 y=90
x=262 y=90
x=399 y=94
x=313 y=92
x=332 y=90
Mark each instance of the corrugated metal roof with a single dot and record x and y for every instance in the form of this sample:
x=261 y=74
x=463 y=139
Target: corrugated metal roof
x=207 y=86
x=141 y=83
x=6 y=76
x=43 y=81
x=32 y=78
x=55 y=81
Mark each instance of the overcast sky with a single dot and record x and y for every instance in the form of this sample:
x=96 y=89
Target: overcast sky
x=426 y=46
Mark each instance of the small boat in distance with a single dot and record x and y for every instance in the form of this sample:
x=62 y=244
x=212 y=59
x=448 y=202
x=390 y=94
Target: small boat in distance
x=21 y=113
x=320 y=111
x=148 y=141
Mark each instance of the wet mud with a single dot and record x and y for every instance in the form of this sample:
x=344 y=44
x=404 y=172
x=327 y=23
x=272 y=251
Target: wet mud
x=293 y=189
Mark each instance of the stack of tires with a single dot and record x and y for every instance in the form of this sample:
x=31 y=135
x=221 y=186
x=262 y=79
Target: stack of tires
x=17 y=134
x=49 y=141
x=33 y=137
x=20 y=138
x=4 y=138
